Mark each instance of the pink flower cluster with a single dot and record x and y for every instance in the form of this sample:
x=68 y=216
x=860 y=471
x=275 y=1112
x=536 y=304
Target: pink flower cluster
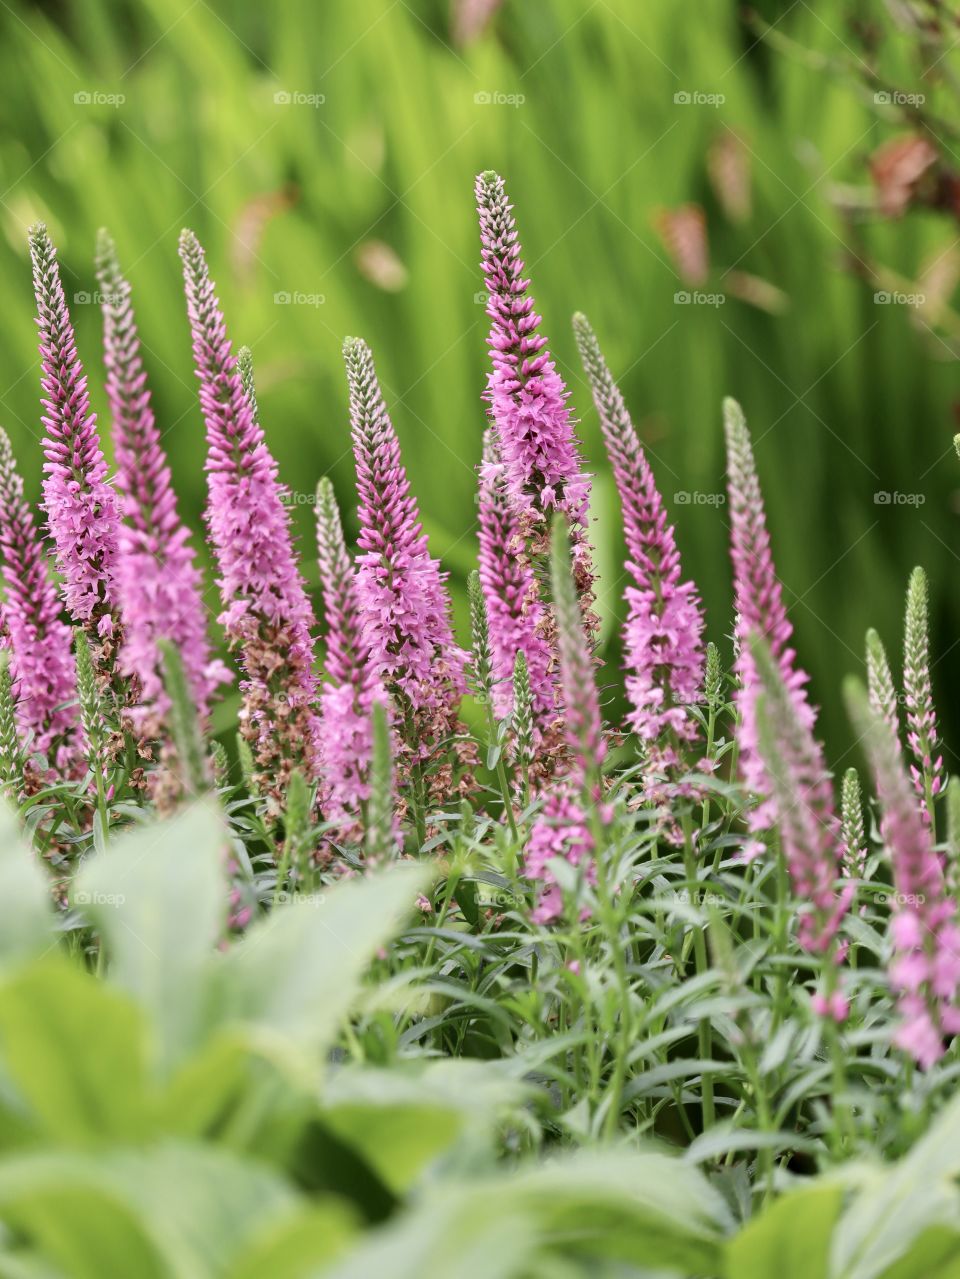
x=926 y=937
x=353 y=686
x=159 y=584
x=528 y=400
x=41 y=661
x=515 y=610
x=82 y=510
x=663 y=634
x=400 y=586
x=266 y=612
x=761 y=613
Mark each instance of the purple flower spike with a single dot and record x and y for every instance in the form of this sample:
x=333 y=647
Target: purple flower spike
x=806 y=815
x=761 y=613
x=400 y=586
x=158 y=581
x=82 y=510
x=926 y=938
x=266 y=615
x=922 y=736
x=515 y=611
x=527 y=397
x=42 y=666
x=353 y=685
x=663 y=635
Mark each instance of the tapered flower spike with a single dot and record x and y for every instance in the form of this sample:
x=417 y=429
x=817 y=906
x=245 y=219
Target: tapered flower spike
x=266 y=614
x=518 y=620
x=580 y=697
x=400 y=586
x=663 y=634
x=761 y=613
x=353 y=687
x=523 y=745
x=881 y=689
x=82 y=510
x=381 y=843
x=952 y=869
x=528 y=402
x=809 y=829
x=12 y=781
x=563 y=828
x=925 y=971
x=922 y=738
x=159 y=584
x=527 y=397
x=41 y=660
x=851 y=821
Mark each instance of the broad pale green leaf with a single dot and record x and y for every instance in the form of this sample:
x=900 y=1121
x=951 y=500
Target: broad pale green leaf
x=916 y=1195
x=298 y=1246
x=75 y=1051
x=646 y=1209
x=158 y=896
x=170 y=1212
x=790 y=1239
x=296 y=973
x=26 y=911
x=401 y=1122
x=934 y=1255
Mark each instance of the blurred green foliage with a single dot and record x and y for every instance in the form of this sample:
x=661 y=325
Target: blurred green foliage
x=153 y=115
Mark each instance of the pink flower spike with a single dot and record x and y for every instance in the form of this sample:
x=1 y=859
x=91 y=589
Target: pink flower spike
x=802 y=796
x=266 y=612
x=158 y=581
x=515 y=610
x=528 y=399
x=400 y=586
x=925 y=971
x=41 y=667
x=663 y=633
x=353 y=685
x=761 y=612
x=82 y=510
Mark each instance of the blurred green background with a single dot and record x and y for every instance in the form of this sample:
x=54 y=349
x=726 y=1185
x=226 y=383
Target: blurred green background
x=325 y=154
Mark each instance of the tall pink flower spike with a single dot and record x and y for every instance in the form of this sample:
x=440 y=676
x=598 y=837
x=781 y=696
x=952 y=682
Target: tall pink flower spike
x=41 y=661
x=82 y=510
x=266 y=613
x=761 y=613
x=159 y=583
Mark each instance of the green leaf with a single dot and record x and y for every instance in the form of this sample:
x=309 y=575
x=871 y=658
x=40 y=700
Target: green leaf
x=295 y=1248
x=401 y=1123
x=917 y=1194
x=75 y=1051
x=26 y=912
x=296 y=974
x=174 y=1212
x=159 y=897
x=790 y=1240
x=643 y=1208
